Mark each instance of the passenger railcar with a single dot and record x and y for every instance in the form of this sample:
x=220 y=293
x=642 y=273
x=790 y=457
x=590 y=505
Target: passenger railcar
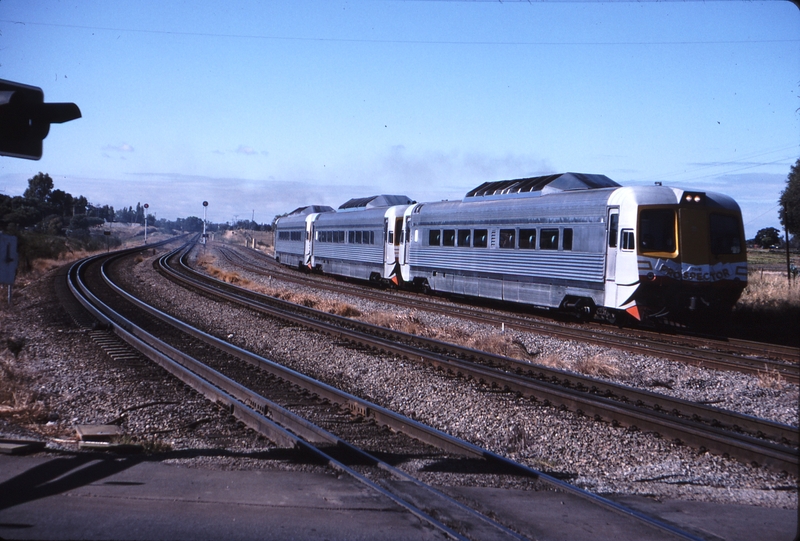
x=570 y=241
x=293 y=237
x=353 y=241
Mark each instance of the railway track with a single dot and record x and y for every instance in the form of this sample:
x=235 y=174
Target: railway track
x=751 y=440
x=710 y=352
x=226 y=375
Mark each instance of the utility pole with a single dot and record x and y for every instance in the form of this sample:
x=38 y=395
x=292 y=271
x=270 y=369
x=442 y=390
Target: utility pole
x=788 y=256
x=146 y=206
x=205 y=206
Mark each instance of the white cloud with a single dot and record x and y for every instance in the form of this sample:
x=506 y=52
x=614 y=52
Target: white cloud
x=431 y=175
x=124 y=147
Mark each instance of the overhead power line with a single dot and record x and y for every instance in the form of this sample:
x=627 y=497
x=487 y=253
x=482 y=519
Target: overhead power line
x=398 y=41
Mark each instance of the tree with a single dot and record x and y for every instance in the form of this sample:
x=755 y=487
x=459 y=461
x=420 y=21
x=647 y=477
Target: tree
x=193 y=223
x=767 y=237
x=61 y=202
x=790 y=201
x=80 y=205
x=39 y=187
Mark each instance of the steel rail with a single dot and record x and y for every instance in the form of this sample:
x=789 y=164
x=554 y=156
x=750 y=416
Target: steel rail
x=256 y=419
x=220 y=389
x=415 y=429
x=648 y=343
x=741 y=446
x=718 y=417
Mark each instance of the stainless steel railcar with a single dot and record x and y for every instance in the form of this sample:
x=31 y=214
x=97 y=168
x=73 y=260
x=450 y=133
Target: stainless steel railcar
x=361 y=239
x=570 y=241
x=293 y=237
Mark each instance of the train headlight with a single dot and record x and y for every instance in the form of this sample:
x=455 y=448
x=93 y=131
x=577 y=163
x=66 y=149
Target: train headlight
x=693 y=197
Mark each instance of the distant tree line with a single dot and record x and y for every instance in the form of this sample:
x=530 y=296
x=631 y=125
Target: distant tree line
x=43 y=209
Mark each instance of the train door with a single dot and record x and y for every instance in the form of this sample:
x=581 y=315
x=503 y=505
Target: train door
x=394 y=234
x=612 y=245
x=308 y=245
x=405 y=249
x=694 y=242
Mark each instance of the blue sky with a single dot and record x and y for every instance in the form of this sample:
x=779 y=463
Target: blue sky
x=260 y=107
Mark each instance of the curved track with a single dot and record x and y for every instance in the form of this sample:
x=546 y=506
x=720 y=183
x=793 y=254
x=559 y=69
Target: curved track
x=701 y=426
x=283 y=426
x=711 y=352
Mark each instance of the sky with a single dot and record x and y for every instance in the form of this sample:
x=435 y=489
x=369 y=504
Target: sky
x=265 y=106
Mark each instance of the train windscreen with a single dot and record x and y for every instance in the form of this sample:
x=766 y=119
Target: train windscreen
x=725 y=235
x=657 y=231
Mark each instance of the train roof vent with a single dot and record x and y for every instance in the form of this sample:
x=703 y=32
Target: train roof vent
x=311 y=209
x=375 y=201
x=536 y=186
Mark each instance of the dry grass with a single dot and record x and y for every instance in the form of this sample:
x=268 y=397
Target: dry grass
x=496 y=343
x=408 y=322
x=207 y=261
x=600 y=365
x=595 y=365
x=18 y=402
x=770 y=379
x=41 y=266
x=769 y=309
x=770 y=291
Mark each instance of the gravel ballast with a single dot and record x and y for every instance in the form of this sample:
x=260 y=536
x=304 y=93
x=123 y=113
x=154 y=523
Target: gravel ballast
x=72 y=381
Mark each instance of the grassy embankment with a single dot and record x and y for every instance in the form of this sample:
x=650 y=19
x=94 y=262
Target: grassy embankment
x=769 y=308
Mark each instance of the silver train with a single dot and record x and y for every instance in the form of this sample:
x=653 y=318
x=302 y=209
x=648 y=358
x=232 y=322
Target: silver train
x=574 y=242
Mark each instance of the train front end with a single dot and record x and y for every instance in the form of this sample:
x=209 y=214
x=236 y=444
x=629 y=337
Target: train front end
x=690 y=254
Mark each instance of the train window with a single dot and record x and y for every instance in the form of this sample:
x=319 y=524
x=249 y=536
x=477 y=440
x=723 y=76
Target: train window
x=527 y=239
x=549 y=239
x=351 y=237
x=358 y=237
x=725 y=238
x=434 y=237
x=372 y=237
x=507 y=238
x=481 y=239
x=657 y=230
x=390 y=239
x=628 y=242
x=566 y=242
x=613 y=227
x=463 y=237
x=449 y=237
